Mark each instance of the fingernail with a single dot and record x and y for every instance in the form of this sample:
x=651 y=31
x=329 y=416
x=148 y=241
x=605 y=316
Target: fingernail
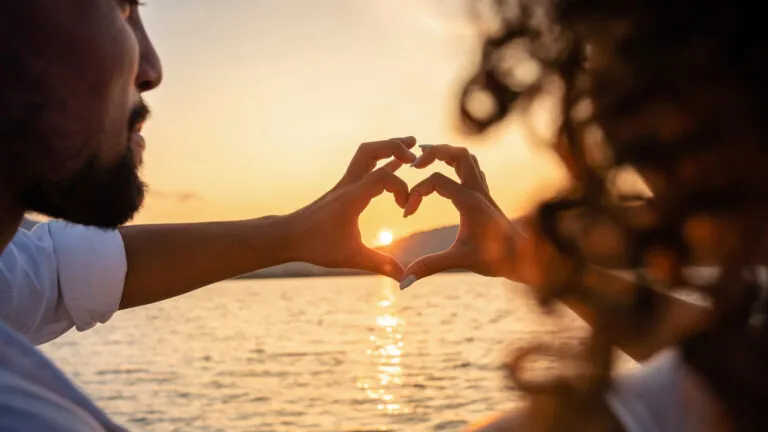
x=405 y=283
x=425 y=146
x=416 y=161
x=407 y=211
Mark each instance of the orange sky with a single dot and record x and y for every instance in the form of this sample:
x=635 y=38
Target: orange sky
x=265 y=101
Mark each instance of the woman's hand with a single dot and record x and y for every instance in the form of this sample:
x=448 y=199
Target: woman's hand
x=488 y=243
x=326 y=232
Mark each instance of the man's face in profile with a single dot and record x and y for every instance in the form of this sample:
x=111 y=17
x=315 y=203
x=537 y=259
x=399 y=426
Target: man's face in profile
x=71 y=77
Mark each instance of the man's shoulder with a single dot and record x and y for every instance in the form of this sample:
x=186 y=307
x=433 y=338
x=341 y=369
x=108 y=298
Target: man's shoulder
x=37 y=395
x=26 y=406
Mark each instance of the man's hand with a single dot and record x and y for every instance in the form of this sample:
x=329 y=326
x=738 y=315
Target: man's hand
x=326 y=232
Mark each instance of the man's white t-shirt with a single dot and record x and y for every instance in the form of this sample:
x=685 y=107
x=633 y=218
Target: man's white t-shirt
x=59 y=276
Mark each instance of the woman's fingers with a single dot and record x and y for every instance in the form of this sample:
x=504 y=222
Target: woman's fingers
x=444 y=186
x=482 y=173
x=459 y=158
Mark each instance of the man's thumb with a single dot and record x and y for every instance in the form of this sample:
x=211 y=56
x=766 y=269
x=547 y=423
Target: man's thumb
x=428 y=266
x=382 y=264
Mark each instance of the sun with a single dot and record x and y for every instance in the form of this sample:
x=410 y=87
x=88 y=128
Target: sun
x=385 y=237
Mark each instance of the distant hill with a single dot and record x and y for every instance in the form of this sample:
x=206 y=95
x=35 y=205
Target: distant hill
x=405 y=250
x=417 y=245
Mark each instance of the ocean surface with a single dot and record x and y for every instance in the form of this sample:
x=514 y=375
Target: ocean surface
x=322 y=354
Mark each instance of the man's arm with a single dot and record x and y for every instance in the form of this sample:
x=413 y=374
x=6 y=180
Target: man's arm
x=165 y=261
x=62 y=275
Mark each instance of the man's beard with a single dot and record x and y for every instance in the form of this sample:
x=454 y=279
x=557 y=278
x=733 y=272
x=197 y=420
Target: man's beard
x=105 y=196
x=101 y=196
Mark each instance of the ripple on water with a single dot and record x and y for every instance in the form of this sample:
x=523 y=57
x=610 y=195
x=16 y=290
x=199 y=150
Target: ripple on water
x=255 y=374
x=123 y=371
x=450 y=425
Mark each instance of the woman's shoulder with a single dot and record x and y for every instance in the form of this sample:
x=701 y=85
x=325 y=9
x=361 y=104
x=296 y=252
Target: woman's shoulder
x=650 y=397
x=666 y=394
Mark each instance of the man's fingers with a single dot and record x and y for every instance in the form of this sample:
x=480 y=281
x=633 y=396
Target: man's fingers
x=465 y=164
x=384 y=180
x=393 y=165
x=379 y=263
x=368 y=154
x=430 y=265
x=440 y=183
x=409 y=141
x=413 y=203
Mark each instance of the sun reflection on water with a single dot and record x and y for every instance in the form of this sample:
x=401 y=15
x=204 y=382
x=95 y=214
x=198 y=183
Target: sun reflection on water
x=386 y=350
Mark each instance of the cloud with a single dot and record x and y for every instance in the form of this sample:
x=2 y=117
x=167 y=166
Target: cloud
x=181 y=197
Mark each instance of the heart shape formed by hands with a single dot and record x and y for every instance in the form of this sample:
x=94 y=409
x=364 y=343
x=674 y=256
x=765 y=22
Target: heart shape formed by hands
x=327 y=230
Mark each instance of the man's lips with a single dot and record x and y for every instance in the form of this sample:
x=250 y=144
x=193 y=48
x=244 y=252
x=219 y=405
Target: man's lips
x=138 y=140
x=138 y=127
x=137 y=146
x=138 y=117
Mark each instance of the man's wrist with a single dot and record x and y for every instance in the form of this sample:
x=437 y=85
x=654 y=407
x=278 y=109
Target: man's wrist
x=272 y=236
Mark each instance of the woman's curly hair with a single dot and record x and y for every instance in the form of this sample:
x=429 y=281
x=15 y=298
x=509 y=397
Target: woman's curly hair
x=678 y=91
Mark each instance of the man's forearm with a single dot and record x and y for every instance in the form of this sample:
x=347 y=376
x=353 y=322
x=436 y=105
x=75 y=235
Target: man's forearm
x=165 y=261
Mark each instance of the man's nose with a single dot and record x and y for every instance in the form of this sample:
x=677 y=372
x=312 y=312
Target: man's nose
x=150 y=73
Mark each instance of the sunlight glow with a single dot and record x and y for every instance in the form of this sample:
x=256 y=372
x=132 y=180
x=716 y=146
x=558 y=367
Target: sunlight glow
x=385 y=237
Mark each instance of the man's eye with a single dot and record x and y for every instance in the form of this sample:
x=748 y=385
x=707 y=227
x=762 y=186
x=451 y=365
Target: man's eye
x=126 y=6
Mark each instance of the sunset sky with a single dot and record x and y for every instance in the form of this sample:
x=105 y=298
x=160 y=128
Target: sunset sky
x=265 y=101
